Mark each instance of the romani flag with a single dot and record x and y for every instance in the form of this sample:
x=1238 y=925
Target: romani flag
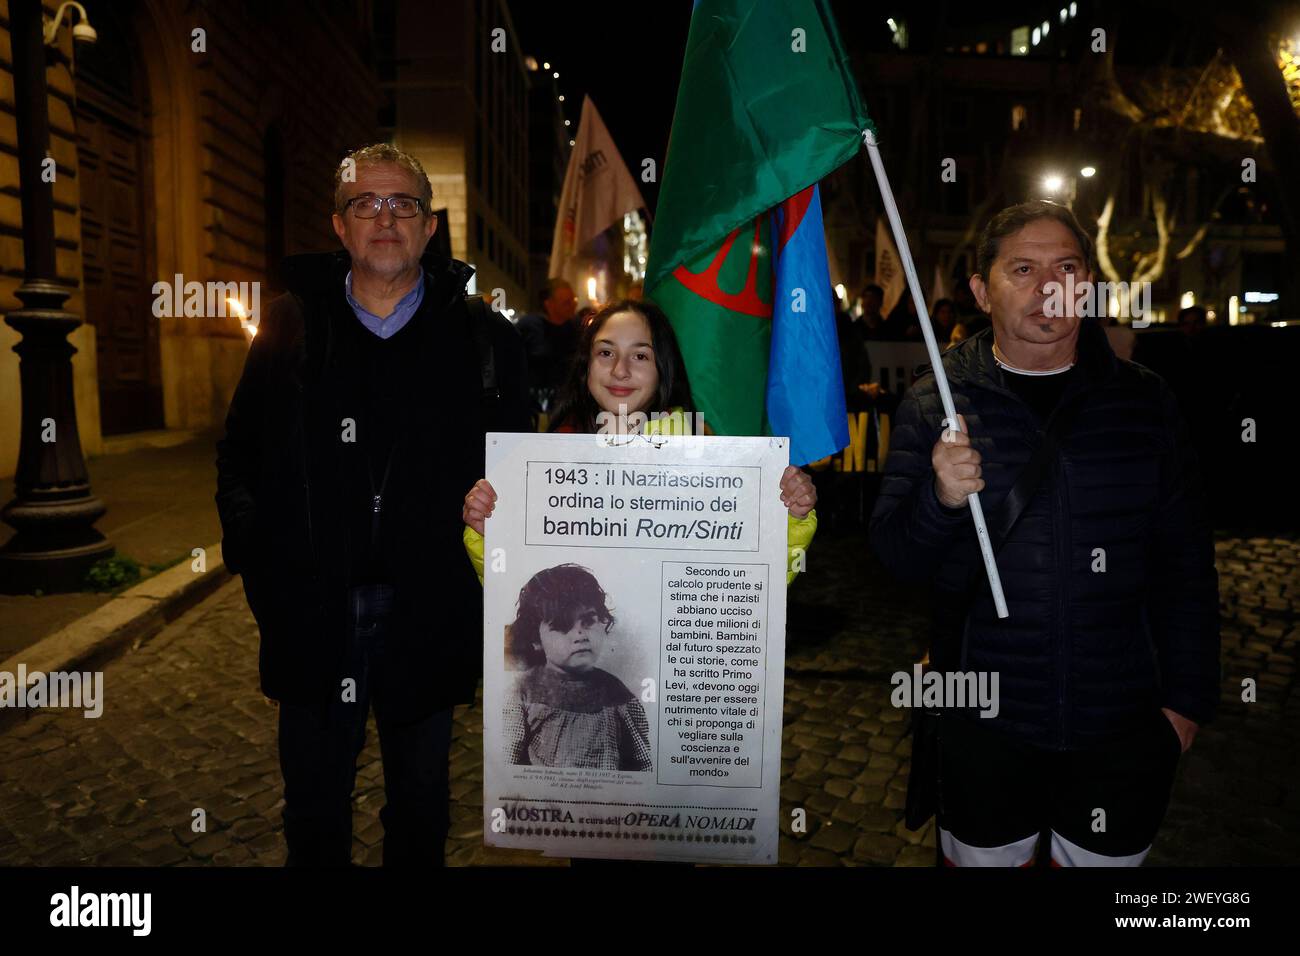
x=767 y=107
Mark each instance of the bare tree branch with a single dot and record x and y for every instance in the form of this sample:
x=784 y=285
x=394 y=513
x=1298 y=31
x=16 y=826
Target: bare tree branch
x=1103 y=238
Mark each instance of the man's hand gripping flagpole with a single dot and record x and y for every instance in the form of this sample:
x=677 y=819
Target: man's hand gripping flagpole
x=936 y=361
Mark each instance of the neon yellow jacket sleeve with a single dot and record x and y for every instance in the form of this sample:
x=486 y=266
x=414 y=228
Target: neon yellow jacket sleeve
x=799 y=537
x=474 y=548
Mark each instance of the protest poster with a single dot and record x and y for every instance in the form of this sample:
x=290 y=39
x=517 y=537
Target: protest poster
x=634 y=646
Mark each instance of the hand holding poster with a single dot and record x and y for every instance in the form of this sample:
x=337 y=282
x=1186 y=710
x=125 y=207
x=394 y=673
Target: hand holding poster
x=634 y=646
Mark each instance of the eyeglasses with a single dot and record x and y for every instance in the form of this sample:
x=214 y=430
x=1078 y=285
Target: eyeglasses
x=368 y=205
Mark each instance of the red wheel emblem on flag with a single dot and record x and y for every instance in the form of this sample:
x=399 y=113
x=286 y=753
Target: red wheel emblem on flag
x=705 y=284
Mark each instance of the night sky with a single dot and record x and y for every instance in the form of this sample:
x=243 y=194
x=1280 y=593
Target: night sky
x=630 y=64
x=630 y=68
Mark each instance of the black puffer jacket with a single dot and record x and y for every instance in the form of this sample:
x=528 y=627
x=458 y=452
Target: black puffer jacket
x=1086 y=655
x=284 y=498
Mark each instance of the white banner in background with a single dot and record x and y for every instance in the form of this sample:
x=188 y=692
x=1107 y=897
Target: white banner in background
x=634 y=646
x=889 y=269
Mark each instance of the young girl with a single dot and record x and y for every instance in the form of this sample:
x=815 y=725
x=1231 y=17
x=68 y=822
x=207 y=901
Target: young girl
x=628 y=365
x=564 y=711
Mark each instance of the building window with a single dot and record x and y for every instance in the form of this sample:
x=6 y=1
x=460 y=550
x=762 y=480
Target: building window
x=1020 y=41
x=478 y=232
x=1019 y=117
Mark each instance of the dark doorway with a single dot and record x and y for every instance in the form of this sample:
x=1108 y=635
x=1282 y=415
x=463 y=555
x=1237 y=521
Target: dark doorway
x=116 y=231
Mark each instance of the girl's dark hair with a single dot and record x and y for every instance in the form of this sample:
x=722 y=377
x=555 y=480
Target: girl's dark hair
x=554 y=596
x=574 y=406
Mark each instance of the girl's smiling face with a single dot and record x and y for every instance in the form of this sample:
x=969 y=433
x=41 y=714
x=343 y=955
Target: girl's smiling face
x=575 y=650
x=622 y=370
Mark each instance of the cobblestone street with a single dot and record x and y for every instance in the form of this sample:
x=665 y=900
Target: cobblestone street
x=185 y=727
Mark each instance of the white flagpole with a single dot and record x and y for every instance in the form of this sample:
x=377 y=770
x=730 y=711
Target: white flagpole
x=936 y=361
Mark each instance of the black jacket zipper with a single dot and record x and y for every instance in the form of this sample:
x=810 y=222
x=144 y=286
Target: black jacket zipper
x=1061 y=518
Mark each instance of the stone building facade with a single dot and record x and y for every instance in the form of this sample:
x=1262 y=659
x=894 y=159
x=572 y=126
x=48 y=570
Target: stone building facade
x=458 y=86
x=196 y=139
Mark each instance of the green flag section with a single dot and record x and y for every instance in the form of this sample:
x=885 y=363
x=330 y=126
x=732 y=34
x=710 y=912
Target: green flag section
x=725 y=336
x=767 y=106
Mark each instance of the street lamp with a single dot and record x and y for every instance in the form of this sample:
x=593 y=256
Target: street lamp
x=1053 y=183
x=82 y=31
x=53 y=512
x=1088 y=172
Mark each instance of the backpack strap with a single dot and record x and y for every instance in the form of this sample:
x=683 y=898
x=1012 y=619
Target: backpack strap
x=1031 y=477
x=1002 y=520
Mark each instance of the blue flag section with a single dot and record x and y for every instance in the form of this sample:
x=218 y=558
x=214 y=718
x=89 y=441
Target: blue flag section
x=805 y=387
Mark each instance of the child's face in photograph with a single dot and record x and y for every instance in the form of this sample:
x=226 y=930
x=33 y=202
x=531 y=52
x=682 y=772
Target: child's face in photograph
x=575 y=650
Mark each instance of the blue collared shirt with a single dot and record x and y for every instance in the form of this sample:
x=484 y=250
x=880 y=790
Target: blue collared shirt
x=386 y=328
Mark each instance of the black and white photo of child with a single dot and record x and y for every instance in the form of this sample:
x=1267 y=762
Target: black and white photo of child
x=563 y=710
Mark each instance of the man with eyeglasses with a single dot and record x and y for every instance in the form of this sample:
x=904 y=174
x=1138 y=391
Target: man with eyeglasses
x=356 y=426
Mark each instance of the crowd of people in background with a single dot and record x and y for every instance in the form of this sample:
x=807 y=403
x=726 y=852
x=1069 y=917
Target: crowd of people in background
x=551 y=335
x=951 y=320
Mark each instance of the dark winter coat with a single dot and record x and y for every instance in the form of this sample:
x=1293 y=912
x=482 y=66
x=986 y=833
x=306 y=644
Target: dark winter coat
x=1087 y=654
x=283 y=495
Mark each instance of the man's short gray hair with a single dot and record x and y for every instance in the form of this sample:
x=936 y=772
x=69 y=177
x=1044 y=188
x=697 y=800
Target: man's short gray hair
x=381 y=153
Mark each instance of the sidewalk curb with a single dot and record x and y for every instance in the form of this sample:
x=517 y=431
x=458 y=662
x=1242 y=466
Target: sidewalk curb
x=133 y=616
